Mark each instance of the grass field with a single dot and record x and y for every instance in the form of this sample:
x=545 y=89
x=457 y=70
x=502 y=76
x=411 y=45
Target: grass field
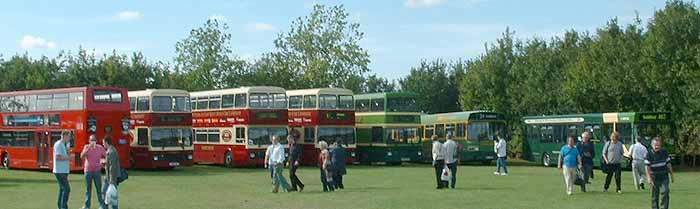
x=409 y=186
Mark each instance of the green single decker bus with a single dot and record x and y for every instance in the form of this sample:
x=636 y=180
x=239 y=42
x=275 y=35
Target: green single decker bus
x=474 y=131
x=387 y=128
x=545 y=135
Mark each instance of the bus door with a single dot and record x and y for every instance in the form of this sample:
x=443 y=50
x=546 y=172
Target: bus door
x=43 y=146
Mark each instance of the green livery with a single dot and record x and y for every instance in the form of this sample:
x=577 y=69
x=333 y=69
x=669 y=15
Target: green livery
x=387 y=128
x=545 y=135
x=474 y=131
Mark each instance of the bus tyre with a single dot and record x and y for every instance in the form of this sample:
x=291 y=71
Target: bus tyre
x=228 y=159
x=545 y=160
x=6 y=160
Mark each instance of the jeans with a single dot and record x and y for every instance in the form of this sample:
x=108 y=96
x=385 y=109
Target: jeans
x=613 y=169
x=660 y=187
x=90 y=179
x=569 y=178
x=501 y=162
x=104 y=191
x=327 y=185
x=296 y=183
x=453 y=168
x=638 y=173
x=278 y=179
x=439 y=165
x=587 y=170
x=63 y=190
x=338 y=180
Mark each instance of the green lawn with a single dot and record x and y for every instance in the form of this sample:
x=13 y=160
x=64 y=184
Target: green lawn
x=408 y=186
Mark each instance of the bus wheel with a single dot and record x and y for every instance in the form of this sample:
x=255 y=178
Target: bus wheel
x=228 y=159
x=545 y=160
x=6 y=160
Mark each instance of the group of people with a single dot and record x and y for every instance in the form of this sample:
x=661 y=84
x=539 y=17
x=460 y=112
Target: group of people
x=95 y=157
x=654 y=165
x=332 y=164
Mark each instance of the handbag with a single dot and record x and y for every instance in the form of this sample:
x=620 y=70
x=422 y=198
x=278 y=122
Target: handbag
x=112 y=195
x=123 y=176
x=603 y=165
x=579 y=177
x=446 y=174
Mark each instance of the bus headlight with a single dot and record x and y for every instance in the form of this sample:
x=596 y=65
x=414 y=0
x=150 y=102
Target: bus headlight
x=252 y=155
x=189 y=157
x=420 y=153
x=389 y=154
x=155 y=158
x=352 y=154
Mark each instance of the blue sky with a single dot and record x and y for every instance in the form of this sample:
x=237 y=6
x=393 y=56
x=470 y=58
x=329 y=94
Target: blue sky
x=398 y=34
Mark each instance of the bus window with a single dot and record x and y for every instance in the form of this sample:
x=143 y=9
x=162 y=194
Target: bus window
x=440 y=130
x=200 y=135
x=280 y=101
x=202 y=103
x=193 y=103
x=625 y=131
x=461 y=130
x=344 y=135
x=377 y=105
x=401 y=135
x=402 y=105
x=309 y=134
x=142 y=134
x=182 y=104
x=328 y=101
x=260 y=100
x=31 y=100
x=261 y=135
x=450 y=129
x=214 y=102
x=377 y=135
x=213 y=136
x=345 y=102
x=60 y=102
x=132 y=104
x=16 y=138
x=227 y=101
x=163 y=103
x=241 y=100
x=143 y=104
x=480 y=131
x=43 y=102
x=362 y=105
x=558 y=136
x=295 y=102
x=240 y=135
x=309 y=101
x=107 y=96
x=429 y=131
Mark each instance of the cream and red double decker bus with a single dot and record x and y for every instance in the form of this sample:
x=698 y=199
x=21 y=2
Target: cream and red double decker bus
x=32 y=121
x=161 y=121
x=233 y=127
x=325 y=114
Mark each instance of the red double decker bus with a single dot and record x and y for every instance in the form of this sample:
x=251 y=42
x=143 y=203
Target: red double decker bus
x=161 y=121
x=233 y=127
x=325 y=114
x=32 y=121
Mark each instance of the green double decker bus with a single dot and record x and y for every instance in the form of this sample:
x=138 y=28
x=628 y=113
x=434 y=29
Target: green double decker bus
x=545 y=135
x=474 y=131
x=387 y=127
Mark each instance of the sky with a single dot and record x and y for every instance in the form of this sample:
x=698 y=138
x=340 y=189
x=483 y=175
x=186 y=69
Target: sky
x=398 y=34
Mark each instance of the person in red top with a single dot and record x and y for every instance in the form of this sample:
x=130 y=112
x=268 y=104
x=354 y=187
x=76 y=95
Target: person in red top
x=92 y=155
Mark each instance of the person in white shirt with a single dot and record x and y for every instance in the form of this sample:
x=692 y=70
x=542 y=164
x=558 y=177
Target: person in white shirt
x=451 y=158
x=438 y=161
x=276 y=160
x=638 y=152
x=61 y=169
x=500 y=149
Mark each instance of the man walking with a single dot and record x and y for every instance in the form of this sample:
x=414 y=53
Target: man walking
x=612 y=154
x=500 y=149
x=338 y=160
x=277 y=161
x=61 y=169
x=451 y=158
x=638 y=152
x=587 y=154
x=438 y=161
x=658 y=168
x=293 y=163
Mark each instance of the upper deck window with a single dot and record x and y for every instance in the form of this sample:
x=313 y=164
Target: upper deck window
x=143 y=104
x=162 y=103
x=309 y=101
x=402 y=105
x=107 y=96
x=328 y=101
x=295 y=102
x=280 y=101
x=377 y=105
x=346 y=102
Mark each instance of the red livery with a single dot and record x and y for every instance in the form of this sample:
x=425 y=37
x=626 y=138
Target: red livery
x=162 y=128
x=233 y=127
x=32 y=121
x=325 y=114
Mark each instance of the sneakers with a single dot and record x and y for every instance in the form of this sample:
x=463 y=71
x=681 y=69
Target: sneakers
x=504 y=174
x=619 y=191
x=496 y=173
x=569 y=193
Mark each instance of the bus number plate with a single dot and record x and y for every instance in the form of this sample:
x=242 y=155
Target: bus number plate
x=405 y=159
x=174 y=164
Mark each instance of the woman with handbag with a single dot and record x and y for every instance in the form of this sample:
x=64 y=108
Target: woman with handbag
x=112 y=174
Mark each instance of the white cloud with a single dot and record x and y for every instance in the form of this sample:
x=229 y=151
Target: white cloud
x=129 y=15
x=29 y=42
x=219 y=17
x=259 y=26
x=423 y=3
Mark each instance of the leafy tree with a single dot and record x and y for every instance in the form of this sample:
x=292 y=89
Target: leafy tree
x=433 y=83
x=376 y=84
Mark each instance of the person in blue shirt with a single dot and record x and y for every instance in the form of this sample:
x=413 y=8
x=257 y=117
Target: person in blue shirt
x=569 y=160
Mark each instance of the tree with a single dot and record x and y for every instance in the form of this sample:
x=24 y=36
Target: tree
x=205 y=60
x=433 y=83
x=376 y=84
x=321 y=50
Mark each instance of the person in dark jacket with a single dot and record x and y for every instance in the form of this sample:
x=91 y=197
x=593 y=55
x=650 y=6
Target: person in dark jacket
x=293 y=163
x=587 y=154
x=338 y=159
x=112 y=168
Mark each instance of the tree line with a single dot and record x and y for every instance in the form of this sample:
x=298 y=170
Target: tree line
x=615 y=68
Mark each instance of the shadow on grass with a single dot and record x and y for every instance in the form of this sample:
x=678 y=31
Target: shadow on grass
x=24 y=181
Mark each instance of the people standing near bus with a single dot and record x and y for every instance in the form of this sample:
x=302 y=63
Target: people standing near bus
x=612 y=154
x=451 y=158
x=500 y=149
x=270 y=167
x=92 y=154
x=112 y=169
x=658 y=168
x=569 y=161
x=587 y=151
x=324 y=164
x=638 y=152
x=277 y=162
x=293 y=163
x=338 y=159
x=438 y=162
x=61 y=169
